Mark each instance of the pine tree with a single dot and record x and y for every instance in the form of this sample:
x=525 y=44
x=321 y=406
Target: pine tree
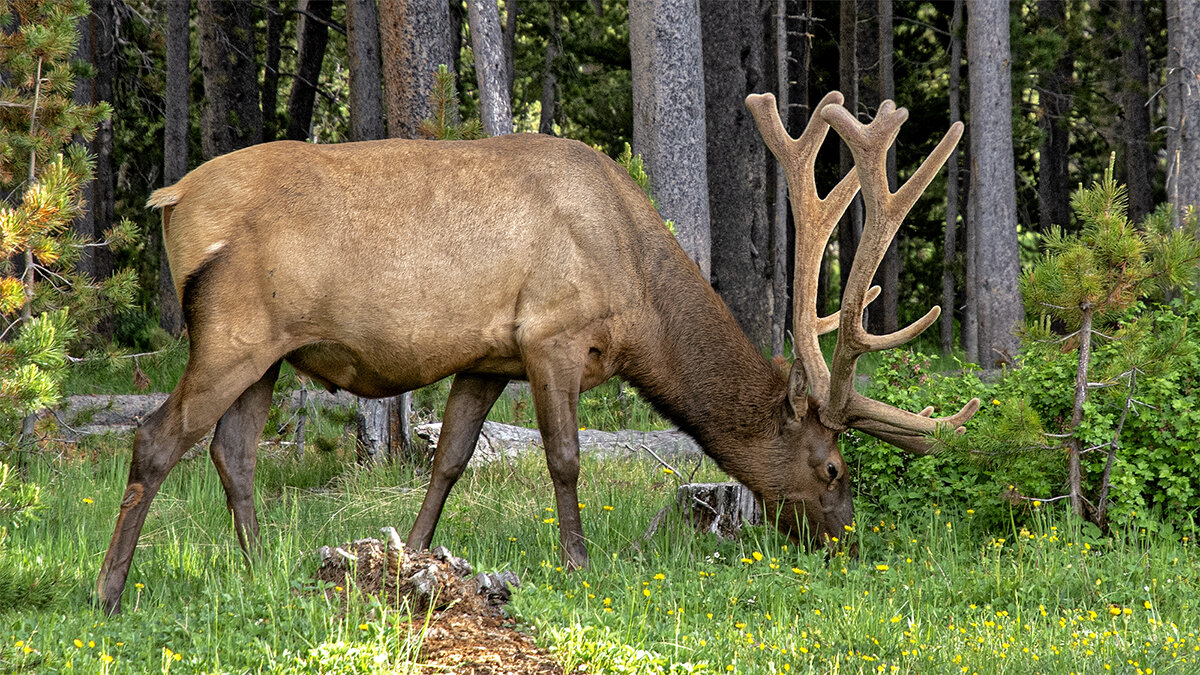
x=44 y=303
x=1083 y=288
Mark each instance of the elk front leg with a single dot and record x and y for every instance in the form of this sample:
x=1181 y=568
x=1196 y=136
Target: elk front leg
x=471 y=397
x=208 y=387
x=234 y=453
x=555 y=387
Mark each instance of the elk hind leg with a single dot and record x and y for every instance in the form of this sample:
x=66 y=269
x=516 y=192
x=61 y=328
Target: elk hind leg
x=209 y=385
x=234 y=453
x=471 y=397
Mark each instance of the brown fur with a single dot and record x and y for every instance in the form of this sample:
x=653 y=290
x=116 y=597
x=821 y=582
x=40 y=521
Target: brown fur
x=384 y=266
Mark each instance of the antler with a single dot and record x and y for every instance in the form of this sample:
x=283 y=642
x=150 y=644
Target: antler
x=840 y=405
x=815 y=219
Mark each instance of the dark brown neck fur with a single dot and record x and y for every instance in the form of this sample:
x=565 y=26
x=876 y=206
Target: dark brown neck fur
x=698 y=368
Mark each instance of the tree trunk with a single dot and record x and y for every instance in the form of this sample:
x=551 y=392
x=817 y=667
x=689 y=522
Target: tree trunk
x=415 y=39
x=512 y=9
x=885 y=312
x=366 y=79
x=312 y=34
x=970 y=326
x=549 y=80
x=103 y=39
x=950 y=236
x=668 y=116
x=850 y=227
x=997 y=264
x=175 y=146
x=779 y=219
x=734 y=65
x=1174 y=101
x=1187 y=76
x=799 y=37
x=1074 y=443
x=495 y=106
x=1054 y=192
x=1139 y=165
x=231 y=118
x=85 y=224
x=270 y=85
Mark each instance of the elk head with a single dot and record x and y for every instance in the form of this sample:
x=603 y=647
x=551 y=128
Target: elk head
x=822 y=401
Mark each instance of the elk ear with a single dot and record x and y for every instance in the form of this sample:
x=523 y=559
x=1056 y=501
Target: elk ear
x=797 y=396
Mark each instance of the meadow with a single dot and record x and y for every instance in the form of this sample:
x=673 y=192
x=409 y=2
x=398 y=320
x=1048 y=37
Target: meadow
x=931 y=591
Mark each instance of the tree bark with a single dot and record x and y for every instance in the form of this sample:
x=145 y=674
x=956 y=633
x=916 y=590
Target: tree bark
x=1054 y=192
x=175 y=146
x=950 y=236
x=1135 y=99
x=779 y=219
x=312 y=34
x=734 y=66
x=495 y=106
x=1174 y=106
x=103 y=39
x=668 y=116
x=1186 y=76
x=850 y=227
x=799 y=37
x=231 y=117
x=549 y=80
x=85 y=224
x=512 y=9
x=998 y=265
x=415 y=39
x=885 y=312
x=270 y=85
x=366 y=78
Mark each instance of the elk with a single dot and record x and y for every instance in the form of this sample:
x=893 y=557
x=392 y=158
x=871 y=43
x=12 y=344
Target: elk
x=380 y=267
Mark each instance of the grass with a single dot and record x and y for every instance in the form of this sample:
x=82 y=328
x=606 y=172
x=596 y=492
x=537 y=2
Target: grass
x=932 y=591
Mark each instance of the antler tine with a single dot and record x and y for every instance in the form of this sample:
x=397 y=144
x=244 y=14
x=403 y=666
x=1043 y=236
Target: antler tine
x=885 y=211
x=815 y=219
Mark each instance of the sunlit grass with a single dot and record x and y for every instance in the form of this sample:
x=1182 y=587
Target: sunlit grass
x=932 y=591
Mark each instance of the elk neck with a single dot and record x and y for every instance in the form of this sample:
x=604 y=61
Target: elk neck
x=697 y=367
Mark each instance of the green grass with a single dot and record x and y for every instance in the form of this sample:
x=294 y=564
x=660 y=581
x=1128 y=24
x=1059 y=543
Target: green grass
x=932 y=591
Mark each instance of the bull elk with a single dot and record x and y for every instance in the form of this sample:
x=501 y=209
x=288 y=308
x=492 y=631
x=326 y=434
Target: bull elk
x=383 y=266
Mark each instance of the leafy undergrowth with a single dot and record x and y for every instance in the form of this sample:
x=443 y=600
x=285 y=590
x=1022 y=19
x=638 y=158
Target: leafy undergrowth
x=933 y=590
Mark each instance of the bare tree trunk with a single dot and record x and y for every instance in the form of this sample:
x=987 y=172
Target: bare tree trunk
x=495 y=107
x=549 y=80
x=104 y=42
x=668 y=116
x=1174 y=101
x=1054 y=194
x=1187 y=184
x=950 y=241
x=779 y=220
x=175 y=146
x=1000 y=309
x=366 y=78
x=1075 y=444
x=885 y=312
x=850 y=227
x=512 y=9
x=84 y=225
x=270 y=85
x=415 y=39
x=312 y=34
x=1139 y=166
x=800 y=52
x=970 y=325
x=734 y=65
x=232 y=118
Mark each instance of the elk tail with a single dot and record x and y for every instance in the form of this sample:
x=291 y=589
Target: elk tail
x=164 y=197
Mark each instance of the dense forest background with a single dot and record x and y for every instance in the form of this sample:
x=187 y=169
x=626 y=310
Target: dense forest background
x=1074 y=83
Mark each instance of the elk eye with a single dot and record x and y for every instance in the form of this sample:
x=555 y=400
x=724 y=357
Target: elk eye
x=833 y=472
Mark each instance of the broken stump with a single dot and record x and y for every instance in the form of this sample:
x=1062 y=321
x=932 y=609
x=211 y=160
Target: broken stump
x=720 y=508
